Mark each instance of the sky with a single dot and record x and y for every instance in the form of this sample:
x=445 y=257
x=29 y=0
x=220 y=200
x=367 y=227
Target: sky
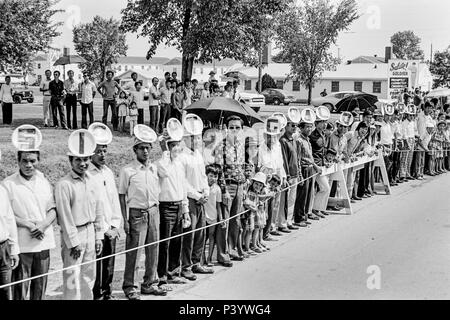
x=369 y=35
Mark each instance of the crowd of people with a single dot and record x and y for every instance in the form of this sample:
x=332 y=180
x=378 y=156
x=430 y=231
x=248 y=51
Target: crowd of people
x=231 y=191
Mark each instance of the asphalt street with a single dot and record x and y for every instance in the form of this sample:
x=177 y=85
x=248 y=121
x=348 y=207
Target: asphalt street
x=392 y=247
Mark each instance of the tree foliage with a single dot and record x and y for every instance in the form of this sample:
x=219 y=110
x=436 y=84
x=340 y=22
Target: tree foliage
x=440 y=68
x=204 y=30
x=100 y=43
x=406 y=45
x=25 y=29
x=306 y=33
x=267 y=82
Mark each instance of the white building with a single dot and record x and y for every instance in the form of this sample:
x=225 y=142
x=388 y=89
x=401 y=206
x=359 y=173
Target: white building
x=366 y=74
x=139 y=64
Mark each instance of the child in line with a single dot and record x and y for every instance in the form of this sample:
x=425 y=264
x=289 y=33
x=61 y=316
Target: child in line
x=248 y=218
x=132 y=116
x=122 y=107
x=215 y=212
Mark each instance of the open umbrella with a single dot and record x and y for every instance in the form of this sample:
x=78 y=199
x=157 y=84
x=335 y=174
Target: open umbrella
x=219 y=108
x=236 y=75
x=69 y=59
x=361 y=100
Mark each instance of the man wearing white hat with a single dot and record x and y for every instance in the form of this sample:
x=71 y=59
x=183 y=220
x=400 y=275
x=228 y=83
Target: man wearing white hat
x=270 y=161
x=113 y=215
x=80 y=214
x=319 y=142
x=408 y=140
x=197 y=193
x=139 y=198
x=387 y=137
x=9 y=243
x=290 y=151
x=33 y=204
x=173 y=205
x=305 y=193
x=424 y=137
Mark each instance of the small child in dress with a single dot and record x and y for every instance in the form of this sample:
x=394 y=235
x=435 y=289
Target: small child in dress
x=122 y=107
x=132 y=116
x=248 y=218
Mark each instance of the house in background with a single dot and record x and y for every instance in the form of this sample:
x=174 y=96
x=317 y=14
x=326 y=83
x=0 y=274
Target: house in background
x=145 y=76
x=139 y=64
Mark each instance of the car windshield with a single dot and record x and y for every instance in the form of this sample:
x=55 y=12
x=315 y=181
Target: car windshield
x=283 y=92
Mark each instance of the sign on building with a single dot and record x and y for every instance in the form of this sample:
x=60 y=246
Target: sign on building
x=401 y=74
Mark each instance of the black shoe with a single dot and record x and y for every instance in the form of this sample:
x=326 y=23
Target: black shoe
x=227 y=264
x=153 y=290
x=133 y=296
x=237 y=258
x=275 y=233
x=312 y=217
x=357 y=198
x=188 y=274
x=201 y=269
x=284 y=230
x=270 y=239
x=324 y=213
x=109 y=297
x=293 y=228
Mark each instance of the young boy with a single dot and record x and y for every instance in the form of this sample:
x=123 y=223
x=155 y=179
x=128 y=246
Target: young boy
x=248 y=218
x=138 y=99
x=215 y=212
x=133 y=116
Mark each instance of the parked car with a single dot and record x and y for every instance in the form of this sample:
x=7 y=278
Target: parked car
x=277 y=96
x=253 y=100
x=332 y=99
x=22 y=94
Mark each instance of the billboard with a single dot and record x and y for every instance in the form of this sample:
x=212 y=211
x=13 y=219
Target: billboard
x=401 y=74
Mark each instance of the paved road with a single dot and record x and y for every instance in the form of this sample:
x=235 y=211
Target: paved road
x=405 y=235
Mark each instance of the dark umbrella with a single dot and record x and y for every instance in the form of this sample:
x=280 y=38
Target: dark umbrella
x=361 y=100
x=219 y=108
x=70 y=59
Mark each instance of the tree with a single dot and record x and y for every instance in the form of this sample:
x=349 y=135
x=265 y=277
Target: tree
x=440 y=68
x=25 y=29
x=405 y=45
x=100 y=43
x=307 y=43
x=204 y=30
x=267 y=82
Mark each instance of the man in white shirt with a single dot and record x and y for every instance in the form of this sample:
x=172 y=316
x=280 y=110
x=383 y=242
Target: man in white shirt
x=197 y=193
x=387 y=141
x=113 y=219
x=88 y=90
x=174 y=211
x=138 y=97
x=80 y=214
x=71 y=87
x=153 y=102
x=424 y=137
x=45 y=89
x=6 y=99
x=139 y=198
x=407 y=128
x=9 y=243
x=33 y=204
x=166 y=108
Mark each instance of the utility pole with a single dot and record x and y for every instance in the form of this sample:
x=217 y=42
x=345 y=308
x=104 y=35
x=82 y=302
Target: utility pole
x=260 y=72
x=431 y=54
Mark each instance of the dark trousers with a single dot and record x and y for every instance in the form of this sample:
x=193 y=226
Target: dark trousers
x=419 y=163
x=87 y=108
x=220 y=237
x=268 y=226
x=395 y=165
x=105 y=269
x=333 y=190
x=170 y=250
x=154 y=117
x=71 y=107
x=191 y=252
x=364 y=180
x=235 y=228
x=164 y=114
x=304 y=196
x=57 y=107
x=7 y=113
x=114 y=120
x=5 y=271
x=140 y=119
x=144 y=229
x=175 y=113
x=31 y=264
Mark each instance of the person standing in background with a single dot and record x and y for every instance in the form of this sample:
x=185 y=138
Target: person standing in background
x=45 y=89
x=58 y=93
x=88 y=90
x=109 y=89
x=153 y=101
x=6 y=99
x=71 y=88
x=166 y=108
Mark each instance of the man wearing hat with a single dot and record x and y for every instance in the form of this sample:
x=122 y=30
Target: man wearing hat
x=33 y=204
x=396 y=147
x=197 y=193
x=139 y=198
x=270 y=161
x=424 y=137
x=173 y=207
x=113 y=215
x=319 y=143
x=387 y=138
x=9 y=243
x=290 y=150
x=81 y=216
x=305 y=193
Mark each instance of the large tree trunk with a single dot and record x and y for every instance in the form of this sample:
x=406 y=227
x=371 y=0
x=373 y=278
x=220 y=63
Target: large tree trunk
x=187 y=66
x=309 y=86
